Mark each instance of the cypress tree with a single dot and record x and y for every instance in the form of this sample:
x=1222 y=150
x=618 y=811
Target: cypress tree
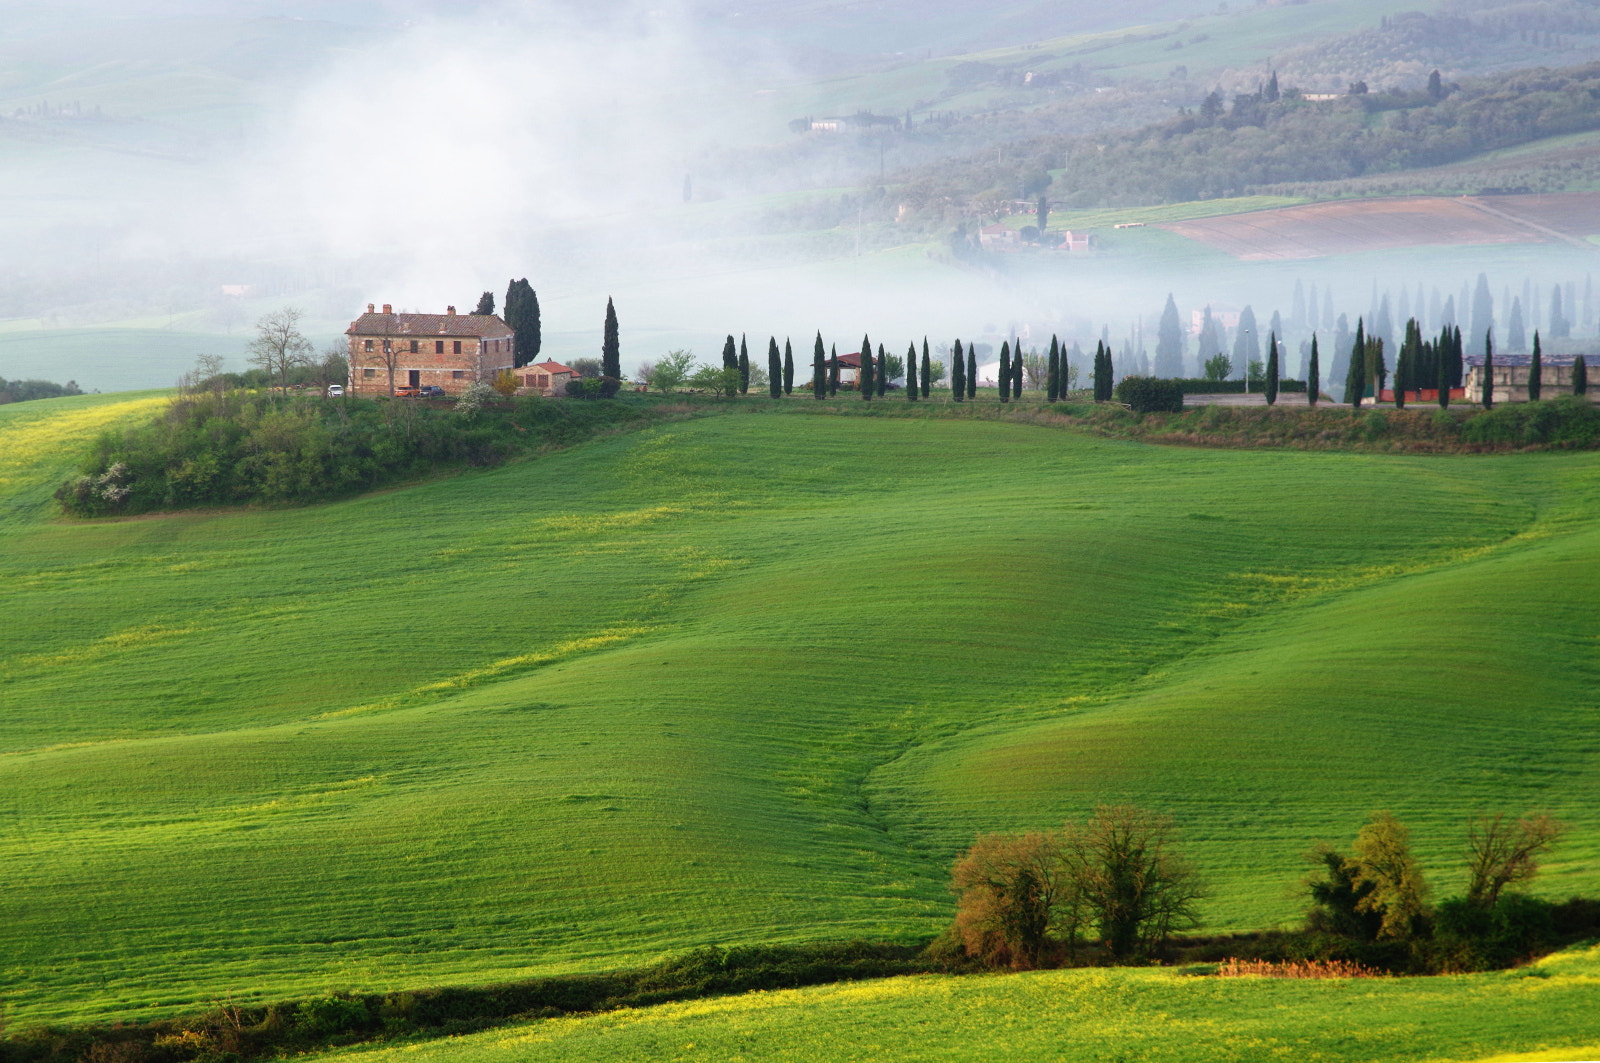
x=730 y=354
x=744 y=367
x=1016 y=369
x=1441 y=369
x=864 y=377
x=819 y=370
x=1536 y=371
x=833 y=370
x=774 y=369
x=972 y=372
x=883 y=371
x=1402 y=368
x=485 y=304
x=958 y=374
x=1313 y=374
x=1272 y=369
x=522 y=315
x=788 y=367
x=911 y=373
x=1488 y=371
x=1355 y=383
x=610 y=350
x=1580 y=376
x=927 y=370
x=1005 y=371
x=1052 y=372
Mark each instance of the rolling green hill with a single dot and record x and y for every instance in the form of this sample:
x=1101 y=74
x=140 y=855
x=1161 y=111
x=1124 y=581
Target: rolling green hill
x=753 y=677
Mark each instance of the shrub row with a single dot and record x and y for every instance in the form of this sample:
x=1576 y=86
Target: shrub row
x=1147 y=394
x=234 y=448
x=1196 y=386
x=230 y=1032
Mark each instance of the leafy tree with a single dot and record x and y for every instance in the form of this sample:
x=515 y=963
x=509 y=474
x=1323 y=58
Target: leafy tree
x=958 y=375
x=522 y=315
x=279 y=346
x=485 y=304
x=819 y=370
x=1488 y=371
x=1008 y=887
x=864 y=377
x=1313 y=373
x=1355 y=384
x=1169 y=342
x=1218 y=367
x=1382 y=860
x=1338 y=901
x=788 y=367
x=927 y=370
x=912 y=393
x=775 y=369
x=1272 y=369
x=744 y=366
x=724 y=382
x=972 y=372
x=1580 y=376
x=1536 y=369
x=1005 y=371
x=1500 y=854
x=587 y=368
x=610 y=350
x=670 y=371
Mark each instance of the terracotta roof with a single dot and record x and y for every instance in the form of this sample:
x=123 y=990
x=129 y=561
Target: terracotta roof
x=422 y=326
x=551 y=367
x=850 y=361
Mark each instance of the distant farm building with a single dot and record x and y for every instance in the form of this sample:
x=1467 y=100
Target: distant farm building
x=999 y=238
x=1511 y=372
x=849 y=368
x=448 y=350
x=547 y=378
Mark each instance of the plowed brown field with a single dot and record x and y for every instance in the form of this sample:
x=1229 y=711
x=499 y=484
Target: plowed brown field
x=1352 y=226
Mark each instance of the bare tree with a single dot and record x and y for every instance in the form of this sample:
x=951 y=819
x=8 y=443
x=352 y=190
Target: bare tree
x=1500 y=853
x=1140 y=890
x=279 y=346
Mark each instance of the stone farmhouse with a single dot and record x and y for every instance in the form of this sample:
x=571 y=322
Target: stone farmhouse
x=1511 y=372
x=449 y=350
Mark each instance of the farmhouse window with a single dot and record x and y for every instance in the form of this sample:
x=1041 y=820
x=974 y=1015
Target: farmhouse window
x=458 y=348
x=415 y=346
x=542 y=380
x=458 y=374
x=438 y=346
x=369 y=373
x=369 y=345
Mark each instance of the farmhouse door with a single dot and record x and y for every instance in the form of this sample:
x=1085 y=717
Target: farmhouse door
x=415 y=378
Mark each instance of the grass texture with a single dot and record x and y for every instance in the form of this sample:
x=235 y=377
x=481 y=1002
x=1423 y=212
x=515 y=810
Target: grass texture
x=1545 y=1012
x=748 y=678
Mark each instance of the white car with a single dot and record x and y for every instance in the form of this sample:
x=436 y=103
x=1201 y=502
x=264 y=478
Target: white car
x=335 y=391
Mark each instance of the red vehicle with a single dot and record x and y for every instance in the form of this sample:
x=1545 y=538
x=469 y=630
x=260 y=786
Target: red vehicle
x=407 y=392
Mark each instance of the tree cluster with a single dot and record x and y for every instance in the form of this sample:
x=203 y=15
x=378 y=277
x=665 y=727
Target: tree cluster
x=1028 y=900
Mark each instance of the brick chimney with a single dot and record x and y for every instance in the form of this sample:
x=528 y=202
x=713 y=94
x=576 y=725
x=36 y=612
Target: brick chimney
x=388 y=308
x=450 y=311
x=370 y=308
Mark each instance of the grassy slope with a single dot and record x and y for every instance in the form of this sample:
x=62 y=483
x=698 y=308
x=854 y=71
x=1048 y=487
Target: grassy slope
x=1544 y=1013
x=751 y=678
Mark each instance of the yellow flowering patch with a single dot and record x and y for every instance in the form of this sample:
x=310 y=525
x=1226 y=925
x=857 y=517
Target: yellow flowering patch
x=28 y=444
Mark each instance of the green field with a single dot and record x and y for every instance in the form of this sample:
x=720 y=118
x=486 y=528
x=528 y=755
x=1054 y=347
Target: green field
x=1544 y=1013
x=749 y=678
